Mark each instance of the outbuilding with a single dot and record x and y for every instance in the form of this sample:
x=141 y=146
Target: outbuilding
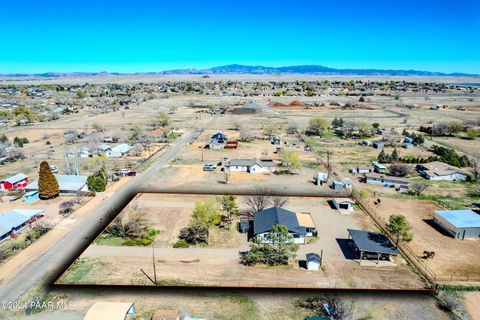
x=19 y=180
x=343 y=203
x=313 y=261
x=461 y=224
x=67 y=184
x=369 y=245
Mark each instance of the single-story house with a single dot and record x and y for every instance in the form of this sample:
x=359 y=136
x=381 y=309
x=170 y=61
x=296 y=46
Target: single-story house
x=220 y=136
x=111 y=311
x=378 y=167
x=264 y=220
x=250 y=165
x=13 y=221
x=441 y=171
x=343 y=203
x=371 y=245
x=313 y=261
x=320 y=177
x=386 y=181
x=66 y=183
x=119 y=151
x=19 y=181
x=104 y=148
x=215 y=144
x=461 y=224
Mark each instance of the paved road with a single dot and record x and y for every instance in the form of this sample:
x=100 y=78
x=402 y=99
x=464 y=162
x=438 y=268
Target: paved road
x=56 y=259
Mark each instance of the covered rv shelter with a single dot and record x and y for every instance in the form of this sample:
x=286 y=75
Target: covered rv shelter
x=372 y=245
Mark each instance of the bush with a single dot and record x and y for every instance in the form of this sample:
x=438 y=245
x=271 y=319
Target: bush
x=181 y=244
x=130 y=243
x=96 y=183
x=144 y=242
x=194 y=234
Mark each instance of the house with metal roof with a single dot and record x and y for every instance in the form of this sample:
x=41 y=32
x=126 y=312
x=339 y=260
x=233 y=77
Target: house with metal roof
x=13 y=221
x=19 y=180
x=66 y=183
x=264 y=220
x=387 y=181
x=369 y=245
x=441 y=171
x=250 y=165
x=461 y=224
x=119 y=151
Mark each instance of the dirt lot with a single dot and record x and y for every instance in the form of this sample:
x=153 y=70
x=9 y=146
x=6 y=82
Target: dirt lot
x=452 y=257
x=209 y=265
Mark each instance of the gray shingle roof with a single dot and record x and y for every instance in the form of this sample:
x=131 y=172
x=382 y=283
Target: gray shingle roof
x=264 y=220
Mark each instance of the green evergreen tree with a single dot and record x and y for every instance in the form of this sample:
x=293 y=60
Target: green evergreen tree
x=383 y=157
x=394 y=156
x=47 y=183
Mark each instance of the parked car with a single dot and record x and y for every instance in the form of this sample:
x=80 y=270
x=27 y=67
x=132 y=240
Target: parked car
x=54 y=168
x=374 y=256
x=125 y=172
x=209 y=167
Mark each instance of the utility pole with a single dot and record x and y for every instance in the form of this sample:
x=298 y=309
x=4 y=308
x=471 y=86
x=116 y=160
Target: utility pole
x=154 y=266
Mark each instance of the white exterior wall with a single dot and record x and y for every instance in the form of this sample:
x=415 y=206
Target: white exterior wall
x=238 y=168
x=258 y=169
x=450 y=177
x=299 y=240
x=313 y=265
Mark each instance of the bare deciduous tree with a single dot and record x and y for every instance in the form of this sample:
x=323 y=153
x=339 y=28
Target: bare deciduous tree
x=418 y=187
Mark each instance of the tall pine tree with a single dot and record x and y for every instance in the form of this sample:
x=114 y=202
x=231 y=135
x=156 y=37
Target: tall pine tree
x=47 y=183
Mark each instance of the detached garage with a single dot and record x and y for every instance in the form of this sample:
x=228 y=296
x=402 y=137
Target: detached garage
x=461 y=224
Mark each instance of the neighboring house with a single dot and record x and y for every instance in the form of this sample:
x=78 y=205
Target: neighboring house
x=111 y=311
x=104 y=148
x=367 y=143
x=313 y=261
x=13 y=221
x=371 y=245
x=17 y=181
x=264 y=220
x=67 y=184
x=347 y=183
x=441 y=171
x=360 y=170
x=220 y=136
x=378 y=167
x=218 y=141
x=343 y=203
x=119 y=151
x=461 y=224
x=250 y=165
x=387 y=182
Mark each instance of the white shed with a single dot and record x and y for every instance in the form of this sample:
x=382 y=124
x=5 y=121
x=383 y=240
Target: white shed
x=313 y=261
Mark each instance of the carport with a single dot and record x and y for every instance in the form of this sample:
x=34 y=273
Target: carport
x=367 y=243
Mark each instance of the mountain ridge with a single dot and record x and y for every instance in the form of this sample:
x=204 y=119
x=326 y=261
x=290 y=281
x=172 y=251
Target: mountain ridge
x=254 y=70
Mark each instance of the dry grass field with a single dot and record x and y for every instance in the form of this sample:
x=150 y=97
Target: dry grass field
x=217 y=264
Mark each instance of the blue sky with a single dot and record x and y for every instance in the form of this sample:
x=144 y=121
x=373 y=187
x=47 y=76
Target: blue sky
x=141 y=35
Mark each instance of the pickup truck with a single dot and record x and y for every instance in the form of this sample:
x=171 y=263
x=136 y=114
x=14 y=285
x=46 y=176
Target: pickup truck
x=125 y=173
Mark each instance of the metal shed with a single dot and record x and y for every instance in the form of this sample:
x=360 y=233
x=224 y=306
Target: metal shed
x=461 y=224
x=372 y=245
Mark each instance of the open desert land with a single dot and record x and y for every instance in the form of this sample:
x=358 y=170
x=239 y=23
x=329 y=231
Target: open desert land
x=453 y=259
x=217 y=264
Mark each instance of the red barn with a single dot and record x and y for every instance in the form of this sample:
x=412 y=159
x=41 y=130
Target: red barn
x=19 y=181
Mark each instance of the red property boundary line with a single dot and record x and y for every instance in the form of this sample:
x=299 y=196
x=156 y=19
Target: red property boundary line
x=431 y=289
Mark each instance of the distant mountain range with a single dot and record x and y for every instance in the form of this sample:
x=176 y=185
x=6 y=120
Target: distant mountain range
x=258 y=70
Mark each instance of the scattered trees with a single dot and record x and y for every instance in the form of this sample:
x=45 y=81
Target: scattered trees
x=418 y=187
x=290 y=159
x=276 y=249
x=206 y=213
x=399 y=169
x=130 y=224
x=316 y=127
x=162 y=119
x=263 y=198
x=399 y=227
x=19 y=142
x=270 y=130
x=47 y=183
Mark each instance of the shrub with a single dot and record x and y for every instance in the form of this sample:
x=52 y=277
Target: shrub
x=194 y=234
x=181 y=244
x=129 y=243
x=144 y=242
